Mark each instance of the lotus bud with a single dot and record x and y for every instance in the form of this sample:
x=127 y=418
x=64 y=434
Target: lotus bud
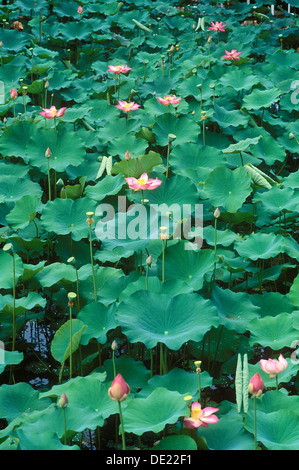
x=48 y=153
x=119 y=389
x=217 y=213
x=149 y=260
x=210 y=39
x=114 y=345
x=63 y=401
x=1 y=44
x=80 y=10
x=127 y=155
x=47 y=84
x=13 y=94
x=256 y=385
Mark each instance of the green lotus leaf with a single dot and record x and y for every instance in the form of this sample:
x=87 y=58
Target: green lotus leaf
x=11 y=357
x=294 y=292
x=237 y=439
x=180 y=442
x=15 y=139
x=22 y=304
x=142 y=414
x=261 y=98
x=67 y=216
x=235 y=309
x=242 y=145
x=238 y=80
x=13 y=189
x=260 y=246
x=134 y=372
x=228 y=188
x=6 y=273
x=135 y=167
x=190 y=155
x=277 y=430
x=24 y=212
x=276 y=332
x=223 y=237
x=151 y=318
x=109 y=185
x=278 y=200
x=61 y=348
x=128 y=142
x=66 y=148
x=178 y=380
x=183 y=128
x=171 y=196
x=99 y=320
x=18 y=399
x=273 y=302
x=47 y=440
x=226 y=118
x=187 y=265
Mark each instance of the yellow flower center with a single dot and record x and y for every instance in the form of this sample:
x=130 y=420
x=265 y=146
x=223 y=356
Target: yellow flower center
x=195 y=412
x=53 y=111
x=141 y=181
x=118 y=67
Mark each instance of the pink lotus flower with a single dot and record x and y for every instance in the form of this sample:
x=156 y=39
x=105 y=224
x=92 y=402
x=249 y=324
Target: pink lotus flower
x=13 y=94
x=218 y=26
x=80 y=10
x=273 y=366
x=201 y=417
x=233 y=55
x=256 y=385
x=144 y=182
x=51 y=113
x=167 y=100
x=117 y=69
x=127 y=107
x=119 y=389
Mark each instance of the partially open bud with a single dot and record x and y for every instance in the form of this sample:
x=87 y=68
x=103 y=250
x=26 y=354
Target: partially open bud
x=127 y=155
x=80 y=10
x=48 y=153
x=256 y=385
x=119 y=389
x=149 y=260
x=63 y=401
x=217 y=213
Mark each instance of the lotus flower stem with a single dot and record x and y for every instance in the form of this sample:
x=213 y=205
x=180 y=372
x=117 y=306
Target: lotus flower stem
x=71 y=297
x=163 y=261
x=255 y=440
x=152 y=363
x=90 y=222
x=122 y=427
x=49 y=179
x=118 y=86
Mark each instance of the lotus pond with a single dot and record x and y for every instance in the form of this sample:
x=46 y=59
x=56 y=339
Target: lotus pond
x=149 y=225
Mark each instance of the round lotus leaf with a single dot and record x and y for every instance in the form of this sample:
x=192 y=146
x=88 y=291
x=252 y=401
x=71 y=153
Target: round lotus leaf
x=151 y=318
x=228 y=188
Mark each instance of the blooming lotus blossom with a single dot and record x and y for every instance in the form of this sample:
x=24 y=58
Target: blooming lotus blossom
x=201 y=417
x=144 y=182
x=167 y=100
x=51 y=113
x=119 y=389
x=273 y=366
x=127 y=107
x=13 y=94
x=218 y=26
x=233 y=55
x=256 y=385
x=117 y=69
